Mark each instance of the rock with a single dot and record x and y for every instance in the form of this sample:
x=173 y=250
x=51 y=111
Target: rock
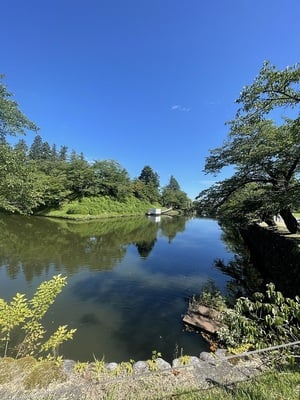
x=176 y=363
x=140 y=367
x=195 y=361
x=68 y=366
x=111 y=366
x=162 y=364
x=208 y=357
x=221 y=353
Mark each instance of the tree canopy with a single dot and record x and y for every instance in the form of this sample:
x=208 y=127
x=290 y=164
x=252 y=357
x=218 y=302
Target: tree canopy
x=265 y=156
x=271 y=89
x=173 y=196
x=12 y=120
x=42 y=176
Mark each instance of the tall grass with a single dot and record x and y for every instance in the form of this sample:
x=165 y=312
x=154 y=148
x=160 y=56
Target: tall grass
x=95 y=207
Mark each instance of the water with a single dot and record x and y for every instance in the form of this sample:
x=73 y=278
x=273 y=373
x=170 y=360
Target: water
x=128 y=279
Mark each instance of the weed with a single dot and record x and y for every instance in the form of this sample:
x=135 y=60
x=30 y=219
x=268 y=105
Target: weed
x=153 y=362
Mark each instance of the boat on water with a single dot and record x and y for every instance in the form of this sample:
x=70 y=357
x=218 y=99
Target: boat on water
x=158 y=211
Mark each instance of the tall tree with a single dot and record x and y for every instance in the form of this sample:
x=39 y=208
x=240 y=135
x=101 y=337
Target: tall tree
x=173 y=196
x=20 y=191
x=63 y=153
x=266 y=157
x=36 y=148
x=12 y=120
x=271 y=89
x=173 y=184
x=22 y=146
x=111 y=179
x=148 y=176
x=150 y=179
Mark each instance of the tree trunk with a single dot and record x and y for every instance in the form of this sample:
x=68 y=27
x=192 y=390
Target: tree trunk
x=289 y=220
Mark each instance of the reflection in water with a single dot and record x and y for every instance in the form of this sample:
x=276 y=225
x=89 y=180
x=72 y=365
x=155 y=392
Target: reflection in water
x=128 y=279
x=245 y=279
x=266 y=258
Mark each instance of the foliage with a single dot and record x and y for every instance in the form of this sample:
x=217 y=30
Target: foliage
x=111 y=179
x=173 y=196
x=81 y=367
x=99 y=367
x=103 y=206
x=25 y=316
x=185 y=359
x=42 y=374
x=209 y=297
x=19 y=190
x=44 y=177
x=268 y=319
x=265 y=156
x=147 y=185
x=12 y=120
x=271 y=88
x=153 y=361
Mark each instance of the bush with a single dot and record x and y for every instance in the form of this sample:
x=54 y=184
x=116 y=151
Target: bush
x=270 y=319
x=25 y=316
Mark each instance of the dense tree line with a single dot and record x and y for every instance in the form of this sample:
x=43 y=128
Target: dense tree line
x=264 y=153
x=42 y=176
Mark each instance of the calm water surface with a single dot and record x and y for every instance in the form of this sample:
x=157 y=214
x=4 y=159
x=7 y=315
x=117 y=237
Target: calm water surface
x=128 y=279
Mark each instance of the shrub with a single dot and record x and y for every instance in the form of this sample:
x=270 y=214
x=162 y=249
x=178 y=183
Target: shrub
x=25 y=316
x=270 y=319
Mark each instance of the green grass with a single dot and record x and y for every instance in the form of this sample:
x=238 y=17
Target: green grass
x=275 y=385
x=31 y=375
x=99 y=207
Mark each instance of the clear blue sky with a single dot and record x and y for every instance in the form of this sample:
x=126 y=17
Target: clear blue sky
x=143 y=82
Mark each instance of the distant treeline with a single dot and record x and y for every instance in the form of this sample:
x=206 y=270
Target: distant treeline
x=44 y=177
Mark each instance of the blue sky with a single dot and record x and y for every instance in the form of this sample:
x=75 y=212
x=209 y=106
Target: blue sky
x=142 y=82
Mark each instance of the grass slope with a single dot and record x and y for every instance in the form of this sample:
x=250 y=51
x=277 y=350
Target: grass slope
x=100 y=207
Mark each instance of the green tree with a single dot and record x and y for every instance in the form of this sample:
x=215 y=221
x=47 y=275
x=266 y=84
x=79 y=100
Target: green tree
x=150 y=179
x=12 y=120
x=111 y=179
x=20 y=191
x=271 y=89
x=63 y=153
x=148 y=176
x=36 y=148
x=173 y=184
x=173 y=196
x=21 y=145
x=266 y=159
x=80 y=177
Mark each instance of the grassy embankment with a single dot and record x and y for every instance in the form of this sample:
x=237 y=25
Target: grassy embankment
x=271 y=385
x=44 y=378
x=99 y=207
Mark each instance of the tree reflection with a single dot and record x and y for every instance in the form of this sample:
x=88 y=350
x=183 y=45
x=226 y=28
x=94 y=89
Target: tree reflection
x=257 y=263
x=33 y=245
x=171 y=226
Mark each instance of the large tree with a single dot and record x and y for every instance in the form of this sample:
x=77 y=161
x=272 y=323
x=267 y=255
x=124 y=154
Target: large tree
x=265 y=157
x=173 y=196
x=12 y=120
x=20 y=190
x=150 y=184
x=271 y=89
x=111 y=179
